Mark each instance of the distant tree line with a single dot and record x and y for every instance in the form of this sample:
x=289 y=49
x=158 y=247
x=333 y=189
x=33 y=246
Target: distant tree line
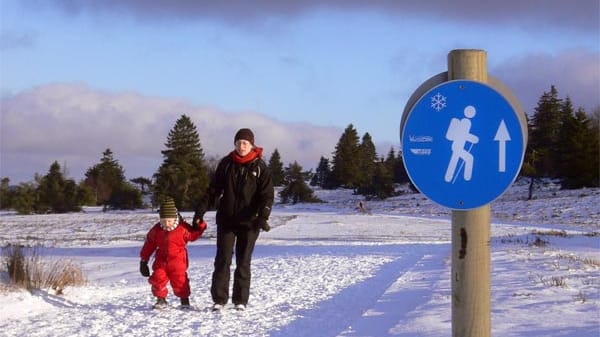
x=356 y=165
x=104 y=185
x=563 y=144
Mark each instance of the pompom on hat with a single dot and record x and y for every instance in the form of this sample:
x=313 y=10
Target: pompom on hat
x=167 y=209
x=245 y=134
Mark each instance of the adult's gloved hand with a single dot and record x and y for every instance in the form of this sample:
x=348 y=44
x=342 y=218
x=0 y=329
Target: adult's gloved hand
x=199 y=226
x=144 y=270
x=261 y=223
x=198 y=219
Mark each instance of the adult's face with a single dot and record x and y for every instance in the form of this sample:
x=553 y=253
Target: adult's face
x=243 y=147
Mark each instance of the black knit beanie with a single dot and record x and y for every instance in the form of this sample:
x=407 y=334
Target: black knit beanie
x=245 y=134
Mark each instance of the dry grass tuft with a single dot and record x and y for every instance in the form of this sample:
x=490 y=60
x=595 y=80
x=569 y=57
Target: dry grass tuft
x=27 y=269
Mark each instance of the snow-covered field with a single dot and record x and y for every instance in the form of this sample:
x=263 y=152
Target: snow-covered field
x=326 y=270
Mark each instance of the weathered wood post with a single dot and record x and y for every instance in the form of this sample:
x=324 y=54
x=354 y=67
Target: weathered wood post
x=470 y=232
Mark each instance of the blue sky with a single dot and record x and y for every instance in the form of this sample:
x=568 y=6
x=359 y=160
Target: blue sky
x=77 y=77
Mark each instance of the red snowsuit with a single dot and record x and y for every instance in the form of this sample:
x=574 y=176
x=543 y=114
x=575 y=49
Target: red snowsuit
x=171 y=258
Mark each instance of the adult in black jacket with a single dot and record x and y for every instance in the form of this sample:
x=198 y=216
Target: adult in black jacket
x=243 y=189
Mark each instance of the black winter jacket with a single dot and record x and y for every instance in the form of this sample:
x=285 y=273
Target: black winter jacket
x=242 y=192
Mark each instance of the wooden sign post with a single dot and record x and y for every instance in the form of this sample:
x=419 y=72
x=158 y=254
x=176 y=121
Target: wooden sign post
x=470 y=233
x=463 y=138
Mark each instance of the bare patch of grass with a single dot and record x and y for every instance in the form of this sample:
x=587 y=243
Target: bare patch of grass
x=588 y=261
x=527 y=240
x=539 y=242
x=551 y=232
x=591 y=262
x=27 y=269
x=554 y=281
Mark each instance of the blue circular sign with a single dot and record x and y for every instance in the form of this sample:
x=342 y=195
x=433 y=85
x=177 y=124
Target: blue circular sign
x=462 y=144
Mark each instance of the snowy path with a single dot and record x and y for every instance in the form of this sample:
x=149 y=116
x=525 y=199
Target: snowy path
x=302 y=279
x=379 y=302
x=292 y=292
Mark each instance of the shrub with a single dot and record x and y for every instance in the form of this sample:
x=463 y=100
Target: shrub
x=27 y=269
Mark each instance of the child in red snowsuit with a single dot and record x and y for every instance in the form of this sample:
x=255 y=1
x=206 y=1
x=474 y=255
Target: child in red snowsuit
x=167 y=240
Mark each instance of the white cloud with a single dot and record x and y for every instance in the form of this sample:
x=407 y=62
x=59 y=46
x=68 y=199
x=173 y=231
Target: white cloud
x=74 y=124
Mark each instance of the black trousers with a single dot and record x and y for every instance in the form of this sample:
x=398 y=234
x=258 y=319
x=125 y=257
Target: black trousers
x=244 y=240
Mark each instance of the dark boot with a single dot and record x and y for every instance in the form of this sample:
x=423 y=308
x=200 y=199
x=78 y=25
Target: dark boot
x=161 y=303
x=185 y=303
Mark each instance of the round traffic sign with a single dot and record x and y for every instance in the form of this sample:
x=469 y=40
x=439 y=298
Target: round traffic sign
x=463 y=144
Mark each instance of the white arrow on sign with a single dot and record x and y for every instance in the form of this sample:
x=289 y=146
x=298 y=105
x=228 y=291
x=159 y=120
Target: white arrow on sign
x=502 y=137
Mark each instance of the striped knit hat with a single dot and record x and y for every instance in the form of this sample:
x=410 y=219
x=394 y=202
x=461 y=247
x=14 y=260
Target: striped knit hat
x=168 y=209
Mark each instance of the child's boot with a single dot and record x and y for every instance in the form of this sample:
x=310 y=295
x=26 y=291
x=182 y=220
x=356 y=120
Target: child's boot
x=161 y=303
x=185 y=303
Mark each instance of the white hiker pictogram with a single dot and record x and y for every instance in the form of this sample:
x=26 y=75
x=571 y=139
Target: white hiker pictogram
x=459 y=134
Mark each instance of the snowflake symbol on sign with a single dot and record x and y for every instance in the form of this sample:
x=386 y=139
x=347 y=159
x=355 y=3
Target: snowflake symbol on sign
x=438 y=101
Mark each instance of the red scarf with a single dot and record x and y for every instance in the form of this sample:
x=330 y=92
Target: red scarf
x=256 y=152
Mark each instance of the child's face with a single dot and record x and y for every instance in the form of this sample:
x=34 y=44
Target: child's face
x=169 y=224
x=243 y=147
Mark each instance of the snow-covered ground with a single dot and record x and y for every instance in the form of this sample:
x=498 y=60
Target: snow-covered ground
x=326 y=270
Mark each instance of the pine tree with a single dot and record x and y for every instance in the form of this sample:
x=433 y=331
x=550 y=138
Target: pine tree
x=276 y=167
x=382 y=182
x=528 y=169
x=107 y=180
x=395 y=165
x=400 y=174
x=145 y=184
x=104 y=177
x=595 y=146
x=367 y=161
x=295 y=189
x=544 y=132
x=25 y=198
x=5 y=195
x=346 y=159
x=391 y=162
x=182 y=175
x=577 y=150
x=56 y=193
x=323 y=176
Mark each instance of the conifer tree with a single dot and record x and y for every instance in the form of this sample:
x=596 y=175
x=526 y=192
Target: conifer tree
x=382 y=184
x=595 y=146
x=145 y=184
x=24 y=198
x=323 y=175
x=395 y=165
x=577 y=151
x=400 y=174
x=346 y=159
x=5 y=195
x=56 y=193
x=528 y=169
x=295 y=188
x=106 y=178
x=182 y=175
x=276 y=167
x=367 y=161
x=391 y=162
x=544 y=132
